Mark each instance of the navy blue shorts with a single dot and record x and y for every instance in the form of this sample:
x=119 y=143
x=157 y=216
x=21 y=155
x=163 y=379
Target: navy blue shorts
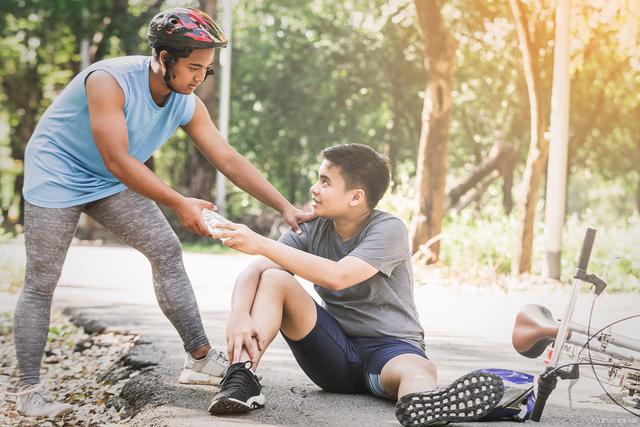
x=339 y=363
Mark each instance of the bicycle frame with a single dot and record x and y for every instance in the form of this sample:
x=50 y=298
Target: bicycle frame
x=535 y=329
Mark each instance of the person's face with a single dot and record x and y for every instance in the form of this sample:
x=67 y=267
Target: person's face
x=190 y=72
x=329 y=195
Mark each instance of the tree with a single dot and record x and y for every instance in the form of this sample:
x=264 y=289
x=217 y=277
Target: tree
x=439 y=49
x=538 y=145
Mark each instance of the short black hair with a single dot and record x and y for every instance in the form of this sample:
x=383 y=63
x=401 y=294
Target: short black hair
x=361 y=166
x=173 y=52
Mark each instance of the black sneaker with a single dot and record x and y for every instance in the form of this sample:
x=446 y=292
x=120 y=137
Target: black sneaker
x=239 y=391
x=468 y=398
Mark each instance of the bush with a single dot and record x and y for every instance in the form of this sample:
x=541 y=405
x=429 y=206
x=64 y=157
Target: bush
x=481 y=242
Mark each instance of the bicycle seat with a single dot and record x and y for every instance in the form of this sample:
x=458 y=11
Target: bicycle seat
x=534 y=330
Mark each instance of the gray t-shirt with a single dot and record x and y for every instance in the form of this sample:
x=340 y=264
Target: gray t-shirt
x=382 y=305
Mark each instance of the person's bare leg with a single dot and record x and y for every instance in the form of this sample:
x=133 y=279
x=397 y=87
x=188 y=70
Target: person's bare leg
x=420 y=402
x=281 y=303
x=408 y=373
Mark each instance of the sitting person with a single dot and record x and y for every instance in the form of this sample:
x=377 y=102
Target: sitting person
x=366 y=337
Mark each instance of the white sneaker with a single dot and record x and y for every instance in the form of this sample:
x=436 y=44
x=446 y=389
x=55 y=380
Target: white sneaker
x=208 y=370
x=33 y=401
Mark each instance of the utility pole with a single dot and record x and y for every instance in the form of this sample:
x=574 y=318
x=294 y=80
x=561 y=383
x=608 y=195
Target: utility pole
x=558 y=148
x=225 y=93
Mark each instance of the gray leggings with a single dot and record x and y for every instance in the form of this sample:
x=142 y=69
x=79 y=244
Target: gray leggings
x=139 y=223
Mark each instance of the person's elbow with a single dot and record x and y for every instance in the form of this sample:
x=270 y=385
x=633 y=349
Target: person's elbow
x=115 y=164
x=337 y=281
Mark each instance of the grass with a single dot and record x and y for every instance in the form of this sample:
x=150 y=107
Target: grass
x=480 y=243
x=485 y=244
x=207 y=246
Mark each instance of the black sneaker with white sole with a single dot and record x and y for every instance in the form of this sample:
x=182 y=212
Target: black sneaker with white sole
x=468 y=398
x=239 y=391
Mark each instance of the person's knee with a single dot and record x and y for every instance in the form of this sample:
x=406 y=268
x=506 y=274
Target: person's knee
x=42 y=273
x=425 y=370
x=276 y=279
x=166 y=247
x=430 y=369
x=410 y=367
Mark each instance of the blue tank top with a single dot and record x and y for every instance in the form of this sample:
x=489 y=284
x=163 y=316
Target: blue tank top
x=62 y=164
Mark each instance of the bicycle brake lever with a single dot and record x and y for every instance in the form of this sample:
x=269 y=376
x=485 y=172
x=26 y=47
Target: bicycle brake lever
x=599 y=284
x=571 y=384
x=572 y=374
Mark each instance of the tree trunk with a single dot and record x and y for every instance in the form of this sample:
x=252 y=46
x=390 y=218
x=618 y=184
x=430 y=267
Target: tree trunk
x=638 y=194
x=538 y=146
x=476 y=196
x=392 y=137
x=484 y=169
x=507 y=168
x=28 y=98
x=439 y=59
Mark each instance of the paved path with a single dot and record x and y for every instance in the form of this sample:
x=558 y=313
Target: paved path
x=467 y=328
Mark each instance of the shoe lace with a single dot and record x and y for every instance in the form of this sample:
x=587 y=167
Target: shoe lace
x=220 y=356
x=239 y=375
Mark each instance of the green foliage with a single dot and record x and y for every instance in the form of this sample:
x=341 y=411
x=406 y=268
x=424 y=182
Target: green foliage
x=615 y=255
x=480 y=241
x=319 y=74
x=312 y=73
x=6 y=323
x=11 y=274
x=208 y=246
x=59 y=331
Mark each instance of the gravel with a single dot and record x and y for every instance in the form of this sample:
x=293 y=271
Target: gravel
x=85 y=370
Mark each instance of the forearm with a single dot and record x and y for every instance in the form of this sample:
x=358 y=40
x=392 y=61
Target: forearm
x=245 y=290
x=321 y=271
x=244 y=175
x=139 y=178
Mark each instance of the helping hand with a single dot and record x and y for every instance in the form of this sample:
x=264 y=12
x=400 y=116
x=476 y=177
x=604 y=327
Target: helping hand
x=294 y=216
x=189 y=212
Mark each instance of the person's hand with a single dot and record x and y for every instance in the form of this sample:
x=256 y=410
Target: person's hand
x=242 y=333
x=189 y=212
x=239 y=237
x=294 y=216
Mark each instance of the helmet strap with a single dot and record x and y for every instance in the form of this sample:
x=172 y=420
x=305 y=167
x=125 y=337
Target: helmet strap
x=168 y=74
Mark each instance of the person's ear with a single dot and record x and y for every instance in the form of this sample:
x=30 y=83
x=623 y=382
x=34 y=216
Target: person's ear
x=162 y=60
x=357 y=197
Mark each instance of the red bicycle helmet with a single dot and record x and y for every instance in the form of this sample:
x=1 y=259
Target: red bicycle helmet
x=182 y=27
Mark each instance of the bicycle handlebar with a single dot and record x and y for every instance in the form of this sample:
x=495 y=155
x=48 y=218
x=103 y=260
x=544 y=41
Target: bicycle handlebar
x=546 y=383
x=587 y=245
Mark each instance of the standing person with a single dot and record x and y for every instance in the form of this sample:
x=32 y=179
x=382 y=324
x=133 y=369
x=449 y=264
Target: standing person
x=87 y=154
x=366 y=337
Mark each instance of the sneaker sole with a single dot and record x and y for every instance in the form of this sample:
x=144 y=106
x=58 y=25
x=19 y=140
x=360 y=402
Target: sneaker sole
x=191 y=377
x=61 y=413
x=468 y=398
x=233 y=406
x=66 y=411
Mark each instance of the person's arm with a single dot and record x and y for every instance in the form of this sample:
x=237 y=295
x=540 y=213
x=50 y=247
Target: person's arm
x=238 y=169
x=105 y=101
x=241 y=330
x=332 y=275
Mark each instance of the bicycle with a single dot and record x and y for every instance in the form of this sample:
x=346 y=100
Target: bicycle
x=535 y=330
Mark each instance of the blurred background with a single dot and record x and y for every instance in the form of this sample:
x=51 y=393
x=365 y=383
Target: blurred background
x=456 y=93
